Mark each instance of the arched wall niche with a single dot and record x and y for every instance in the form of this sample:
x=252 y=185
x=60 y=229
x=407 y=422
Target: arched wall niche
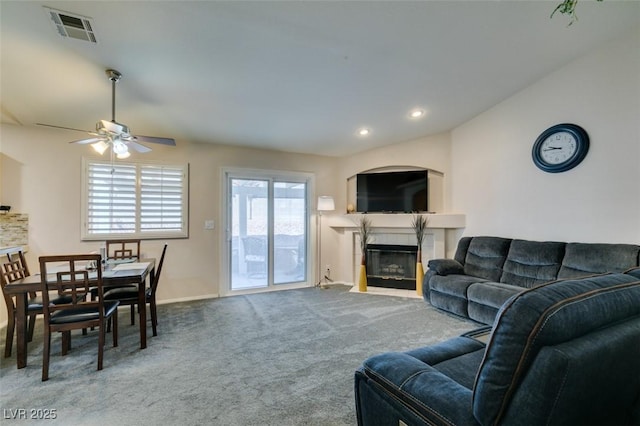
x=435 y=182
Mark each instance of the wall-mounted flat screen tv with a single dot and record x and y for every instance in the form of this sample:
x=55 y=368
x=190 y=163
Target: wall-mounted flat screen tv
x=392 y=192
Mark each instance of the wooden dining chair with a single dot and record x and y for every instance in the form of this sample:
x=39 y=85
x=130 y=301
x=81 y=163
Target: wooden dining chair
x=123 y=249
x=118 y=250
x=129 y=295
x=13 y=269
x=72 y=280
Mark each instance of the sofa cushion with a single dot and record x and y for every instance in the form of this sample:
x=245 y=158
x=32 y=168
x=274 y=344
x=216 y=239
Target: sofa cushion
x=455 y=285
x=486 y=298
x=582 y=259
x=486 y=256
x=445 y=266
x=634 y=271
x=461 y=250
x=492 y=294
x=410 y=379
x=590 y=380
x=530 y=263
x=545 y=316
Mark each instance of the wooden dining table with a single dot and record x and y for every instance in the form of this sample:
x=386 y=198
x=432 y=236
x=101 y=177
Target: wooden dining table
x=113 y=275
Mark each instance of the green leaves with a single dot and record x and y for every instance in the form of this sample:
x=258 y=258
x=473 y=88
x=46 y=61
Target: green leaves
x=568 y=7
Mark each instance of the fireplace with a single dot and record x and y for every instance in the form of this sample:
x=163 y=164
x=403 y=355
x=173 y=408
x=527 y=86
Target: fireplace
x=392 y=266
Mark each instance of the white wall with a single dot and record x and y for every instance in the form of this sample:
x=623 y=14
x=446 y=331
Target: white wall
x=495 y=182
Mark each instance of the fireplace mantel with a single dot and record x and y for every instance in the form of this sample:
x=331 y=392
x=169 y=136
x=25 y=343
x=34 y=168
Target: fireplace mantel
x=397 y=220
x=391 y=229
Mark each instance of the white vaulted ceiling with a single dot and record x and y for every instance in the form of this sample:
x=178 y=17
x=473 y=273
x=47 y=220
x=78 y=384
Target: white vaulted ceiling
x=292 y=76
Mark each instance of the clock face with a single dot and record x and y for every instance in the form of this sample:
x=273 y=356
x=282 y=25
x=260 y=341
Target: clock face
x=560 y=148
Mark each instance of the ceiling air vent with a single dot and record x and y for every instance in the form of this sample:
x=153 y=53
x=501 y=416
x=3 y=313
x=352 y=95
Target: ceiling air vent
x=72 y=26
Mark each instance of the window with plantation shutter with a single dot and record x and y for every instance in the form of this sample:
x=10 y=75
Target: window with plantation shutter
x=134 y=200
x=161 y=198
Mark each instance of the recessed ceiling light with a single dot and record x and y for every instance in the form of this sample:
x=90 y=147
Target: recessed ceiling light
x=416 y=113
x=364 y=131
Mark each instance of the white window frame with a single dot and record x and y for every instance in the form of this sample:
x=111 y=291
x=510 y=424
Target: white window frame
x=136 y=192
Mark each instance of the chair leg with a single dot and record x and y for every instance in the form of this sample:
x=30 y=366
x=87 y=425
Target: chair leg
x=8 y=343
x=115 y=327
x=45 y=354
x=66 y=342
x=133 y=314
x=32 y=326
x=101 y=345
x=154 y=317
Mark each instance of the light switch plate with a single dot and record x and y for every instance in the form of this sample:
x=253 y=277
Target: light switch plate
x=208 y=224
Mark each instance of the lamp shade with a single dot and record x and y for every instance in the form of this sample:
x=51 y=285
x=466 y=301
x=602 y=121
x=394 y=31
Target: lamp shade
x=325 y=203
x=100 y=147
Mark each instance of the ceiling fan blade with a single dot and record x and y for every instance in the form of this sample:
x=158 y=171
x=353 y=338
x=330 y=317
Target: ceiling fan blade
x=153 y=139
x=138 y=147
x=87 y=141
x=62 y=127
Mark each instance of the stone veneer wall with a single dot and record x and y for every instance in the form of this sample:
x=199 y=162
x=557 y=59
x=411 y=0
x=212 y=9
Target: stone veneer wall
x=14 y=229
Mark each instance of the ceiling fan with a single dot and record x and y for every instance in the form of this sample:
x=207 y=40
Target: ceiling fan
x=114 y=135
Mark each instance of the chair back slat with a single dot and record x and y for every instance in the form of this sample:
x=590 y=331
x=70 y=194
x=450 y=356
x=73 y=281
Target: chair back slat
x=123 y=249
x=75 y=286
x=13 y=271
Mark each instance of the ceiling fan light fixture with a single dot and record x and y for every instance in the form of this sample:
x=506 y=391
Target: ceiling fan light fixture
x=417 y=113
x=100 y=147
x=119 y=148
x=123 y=155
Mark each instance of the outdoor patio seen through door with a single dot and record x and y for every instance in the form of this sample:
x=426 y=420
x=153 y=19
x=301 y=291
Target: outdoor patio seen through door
x=268 y=229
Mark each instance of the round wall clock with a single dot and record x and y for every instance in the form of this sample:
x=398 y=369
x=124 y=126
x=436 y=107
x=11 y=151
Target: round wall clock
x=560 y=148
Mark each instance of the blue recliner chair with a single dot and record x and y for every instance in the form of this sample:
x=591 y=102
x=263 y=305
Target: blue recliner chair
x=564 y=353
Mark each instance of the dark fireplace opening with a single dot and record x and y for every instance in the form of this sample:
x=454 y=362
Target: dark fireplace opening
x=392 y=266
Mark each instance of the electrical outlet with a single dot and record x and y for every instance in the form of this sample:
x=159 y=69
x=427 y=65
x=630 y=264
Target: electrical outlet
x=208 y=224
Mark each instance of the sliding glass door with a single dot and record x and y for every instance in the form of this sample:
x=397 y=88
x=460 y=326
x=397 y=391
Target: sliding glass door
x=267 y=230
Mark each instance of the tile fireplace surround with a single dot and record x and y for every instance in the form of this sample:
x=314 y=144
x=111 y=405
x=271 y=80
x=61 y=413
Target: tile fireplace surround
x=391 y=229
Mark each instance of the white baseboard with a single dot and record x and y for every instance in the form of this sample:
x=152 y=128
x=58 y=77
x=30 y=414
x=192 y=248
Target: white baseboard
x=189 y=299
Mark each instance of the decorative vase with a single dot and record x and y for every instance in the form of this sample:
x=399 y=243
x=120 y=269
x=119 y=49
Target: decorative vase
x=362 y=282
x=419 y=278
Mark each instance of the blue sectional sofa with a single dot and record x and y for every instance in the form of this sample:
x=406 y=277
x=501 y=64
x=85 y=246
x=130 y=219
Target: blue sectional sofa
x=561 y=353
x=486 y=271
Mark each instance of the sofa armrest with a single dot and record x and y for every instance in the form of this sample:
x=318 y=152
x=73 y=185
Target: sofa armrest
x=429 y=393
x=445 y=266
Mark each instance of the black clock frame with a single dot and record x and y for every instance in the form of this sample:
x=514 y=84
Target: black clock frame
x=582 y=141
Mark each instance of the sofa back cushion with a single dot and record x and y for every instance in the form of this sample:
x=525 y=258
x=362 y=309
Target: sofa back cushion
x=582 y=259
x=462 y=249
x=530 y=263
x=583 y=381
x=485 y=257
x=531 y=329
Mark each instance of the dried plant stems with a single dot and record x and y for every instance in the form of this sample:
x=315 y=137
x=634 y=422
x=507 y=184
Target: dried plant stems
x=364 y=229
x=419 y=224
